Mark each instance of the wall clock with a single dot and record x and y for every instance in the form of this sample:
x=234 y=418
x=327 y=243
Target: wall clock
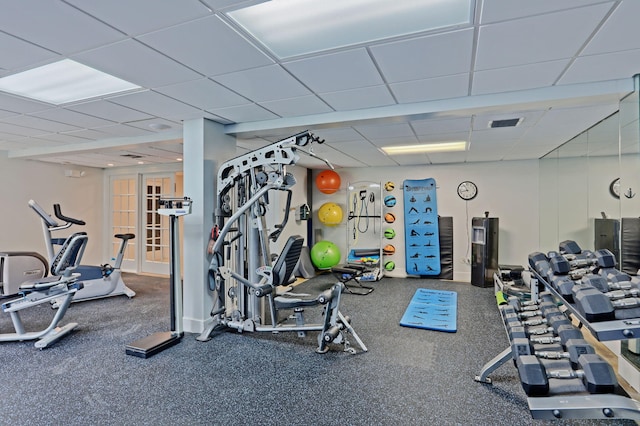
x=467 y=190
x=614 y=188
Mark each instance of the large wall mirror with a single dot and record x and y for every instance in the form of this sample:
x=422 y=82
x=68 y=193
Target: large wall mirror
x=575 y=182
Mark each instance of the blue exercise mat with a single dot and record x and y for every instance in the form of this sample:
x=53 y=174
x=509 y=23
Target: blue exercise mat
x=422 y=239
x=432 y=310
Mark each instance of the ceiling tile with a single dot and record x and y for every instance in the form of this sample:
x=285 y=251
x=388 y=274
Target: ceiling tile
x=39 y=123
x=147 y=124
x=207 y=45
x=343 y=134
x=520 y=77
x=56 y=26
x=603 y=67
x=447 y=157
x=20 y=105
x=240 y=113
x=483 y=120
x=500 y=10
x=89 y=134
x=361 y=98
x=453 y=86
x=134 y=62
x=365 y=152
x=337 y=71
x=444 y=137
x=142 y=15
x=251 y=83
x=17 y=53
x=411 y=159
x=156 y=104
x=303 y=105
x=536 y=39
x=18 y=130
x=204 y=94
x=123 y=130
x=620 y=32
x=61 y=138
x=109 y=111
x=421 y=58
x=436 y=126
x=384 y=131
x=67 y=116
x=24 y=143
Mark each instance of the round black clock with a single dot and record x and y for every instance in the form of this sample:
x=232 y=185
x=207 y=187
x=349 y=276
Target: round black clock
x=467 y=190
x=614 y=188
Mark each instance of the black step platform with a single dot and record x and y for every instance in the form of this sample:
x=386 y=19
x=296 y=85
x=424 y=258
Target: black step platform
x=151 y=345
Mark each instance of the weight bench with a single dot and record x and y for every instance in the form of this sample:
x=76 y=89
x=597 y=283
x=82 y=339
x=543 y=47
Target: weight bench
x=60 y=288
x=351 y=272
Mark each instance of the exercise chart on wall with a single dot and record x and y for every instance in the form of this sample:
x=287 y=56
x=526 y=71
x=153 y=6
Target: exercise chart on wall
x=422 y=239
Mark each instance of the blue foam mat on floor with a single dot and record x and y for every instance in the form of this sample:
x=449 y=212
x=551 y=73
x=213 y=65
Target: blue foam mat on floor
x=432 y=310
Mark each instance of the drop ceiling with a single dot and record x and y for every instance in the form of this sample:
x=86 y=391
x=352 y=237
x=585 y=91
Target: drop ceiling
x=558 y=66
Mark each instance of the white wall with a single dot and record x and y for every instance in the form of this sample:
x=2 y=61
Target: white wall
x=46 y=183
x=507 y=190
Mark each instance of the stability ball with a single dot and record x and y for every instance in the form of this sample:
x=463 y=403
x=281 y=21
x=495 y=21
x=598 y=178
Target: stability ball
x=328 y=181
x=330 y=214
x=325 y=254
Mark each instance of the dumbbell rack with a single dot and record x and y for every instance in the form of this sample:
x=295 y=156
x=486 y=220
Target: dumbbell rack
x=601 y=330
x=579 y=406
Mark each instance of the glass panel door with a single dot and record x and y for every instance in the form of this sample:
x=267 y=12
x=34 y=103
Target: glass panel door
x=124 y=212
x=155 y=252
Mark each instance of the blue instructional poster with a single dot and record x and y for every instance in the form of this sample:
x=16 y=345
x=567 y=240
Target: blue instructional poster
x=422 y=240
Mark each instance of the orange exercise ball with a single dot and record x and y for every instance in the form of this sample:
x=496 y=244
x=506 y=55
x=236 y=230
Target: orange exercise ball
x=328 y=181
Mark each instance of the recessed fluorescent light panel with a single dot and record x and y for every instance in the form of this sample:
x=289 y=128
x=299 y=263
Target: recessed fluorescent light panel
x=297 y=27
x=62 y=82
x=429 y=147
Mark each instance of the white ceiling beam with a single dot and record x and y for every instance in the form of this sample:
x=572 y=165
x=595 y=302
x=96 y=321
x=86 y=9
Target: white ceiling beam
x=556 y=96
x=102 y=144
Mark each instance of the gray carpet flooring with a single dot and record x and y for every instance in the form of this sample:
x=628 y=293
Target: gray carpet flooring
x=408 y=377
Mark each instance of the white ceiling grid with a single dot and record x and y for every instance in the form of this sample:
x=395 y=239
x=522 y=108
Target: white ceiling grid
x=519 y=58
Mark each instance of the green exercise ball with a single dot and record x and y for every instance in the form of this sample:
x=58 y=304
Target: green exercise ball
x=325 y=254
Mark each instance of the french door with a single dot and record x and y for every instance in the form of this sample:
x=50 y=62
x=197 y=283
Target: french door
x=155 y=236
x=124 y=218
x=134 y=202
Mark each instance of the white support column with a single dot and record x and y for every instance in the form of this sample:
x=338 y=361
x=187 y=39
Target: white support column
x=206 y=147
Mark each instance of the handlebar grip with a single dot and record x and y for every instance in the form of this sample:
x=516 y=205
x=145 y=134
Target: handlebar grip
x=59 y=215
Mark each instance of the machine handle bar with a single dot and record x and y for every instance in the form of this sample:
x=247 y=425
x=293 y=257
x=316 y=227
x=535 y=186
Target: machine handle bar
x=58 y=212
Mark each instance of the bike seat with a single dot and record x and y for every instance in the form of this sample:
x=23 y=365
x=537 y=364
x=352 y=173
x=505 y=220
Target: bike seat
x=125 y=236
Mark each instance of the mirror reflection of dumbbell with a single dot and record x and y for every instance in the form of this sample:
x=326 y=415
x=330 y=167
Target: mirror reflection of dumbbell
x=596 y=374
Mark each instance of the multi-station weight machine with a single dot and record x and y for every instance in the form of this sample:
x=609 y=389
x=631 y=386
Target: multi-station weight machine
x=241 y=273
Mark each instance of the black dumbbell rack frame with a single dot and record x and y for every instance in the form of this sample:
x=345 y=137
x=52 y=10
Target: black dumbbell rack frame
x=580 y=406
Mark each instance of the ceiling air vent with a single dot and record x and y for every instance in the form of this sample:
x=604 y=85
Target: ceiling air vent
x=510 y=122
x=131 y=156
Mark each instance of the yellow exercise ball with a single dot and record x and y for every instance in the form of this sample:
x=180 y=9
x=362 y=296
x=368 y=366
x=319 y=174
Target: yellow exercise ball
x=330 y=214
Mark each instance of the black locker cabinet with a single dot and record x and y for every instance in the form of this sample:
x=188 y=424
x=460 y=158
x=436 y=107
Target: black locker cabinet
x=607 y=236
x=484 y=250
